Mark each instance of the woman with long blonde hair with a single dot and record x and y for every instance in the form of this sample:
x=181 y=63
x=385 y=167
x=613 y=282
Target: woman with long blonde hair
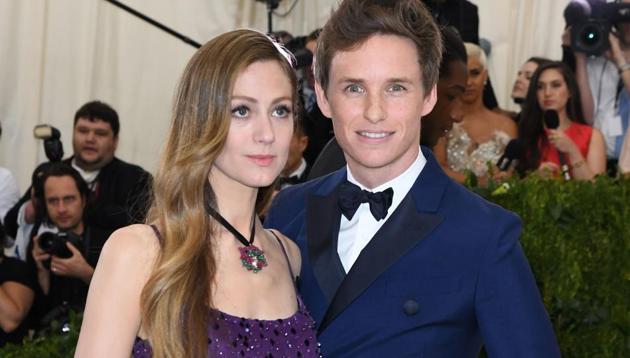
x=205 y=278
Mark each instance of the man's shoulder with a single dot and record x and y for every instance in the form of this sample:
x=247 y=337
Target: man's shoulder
x=291 y=201
x=122 y=165
x=460 y=203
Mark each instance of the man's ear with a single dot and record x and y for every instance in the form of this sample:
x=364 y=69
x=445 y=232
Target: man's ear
x=429 y=101
x=322 y=100
x=115 y=142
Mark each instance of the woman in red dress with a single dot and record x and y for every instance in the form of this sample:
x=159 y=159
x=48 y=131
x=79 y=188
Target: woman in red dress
x=574 y=143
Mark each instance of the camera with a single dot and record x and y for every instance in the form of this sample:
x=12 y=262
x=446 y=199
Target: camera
x=592 y=21
x=52 y=141
x=55 y=243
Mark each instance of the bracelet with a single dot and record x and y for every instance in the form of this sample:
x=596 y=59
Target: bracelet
x=624 y=67
x=579 y=163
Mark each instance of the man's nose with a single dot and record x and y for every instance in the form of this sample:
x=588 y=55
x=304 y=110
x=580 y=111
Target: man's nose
x=374 y=111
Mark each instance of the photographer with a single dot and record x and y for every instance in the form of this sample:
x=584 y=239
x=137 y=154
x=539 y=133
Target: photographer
x=118 y=190
x=65 y=261
x=603 y=78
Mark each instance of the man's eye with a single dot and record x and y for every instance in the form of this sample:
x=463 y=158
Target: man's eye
x=397 y=88
x=353 y=88
x=240 y=112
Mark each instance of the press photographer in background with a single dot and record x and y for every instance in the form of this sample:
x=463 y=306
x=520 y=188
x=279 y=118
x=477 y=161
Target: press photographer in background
x=596 y=44
x=118 y=190
x=65 y=260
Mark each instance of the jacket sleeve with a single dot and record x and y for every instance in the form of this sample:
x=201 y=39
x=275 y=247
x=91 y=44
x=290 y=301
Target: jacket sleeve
x=509 y=309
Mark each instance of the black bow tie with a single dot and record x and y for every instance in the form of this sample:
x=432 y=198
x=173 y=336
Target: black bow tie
x=351 y=196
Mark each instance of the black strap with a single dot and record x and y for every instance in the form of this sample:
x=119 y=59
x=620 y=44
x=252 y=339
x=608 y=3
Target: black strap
x=286 y=256
x=157 y=232
x=237 y=235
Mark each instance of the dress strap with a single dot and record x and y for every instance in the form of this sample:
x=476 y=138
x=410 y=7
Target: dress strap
x=157 y=232
x=286 y=256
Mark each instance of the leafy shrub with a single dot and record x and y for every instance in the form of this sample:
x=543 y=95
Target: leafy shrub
x=577 y=238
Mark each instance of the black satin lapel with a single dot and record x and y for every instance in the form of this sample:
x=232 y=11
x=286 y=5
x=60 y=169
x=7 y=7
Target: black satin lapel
x=322 y=228
x=402 y=231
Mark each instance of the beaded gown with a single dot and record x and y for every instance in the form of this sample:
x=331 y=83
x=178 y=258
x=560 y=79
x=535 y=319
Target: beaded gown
x=464 y=154
x=231 y=336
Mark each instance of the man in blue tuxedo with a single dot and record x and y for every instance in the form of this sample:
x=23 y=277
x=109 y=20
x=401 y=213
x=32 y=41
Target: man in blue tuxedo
x=398 y=260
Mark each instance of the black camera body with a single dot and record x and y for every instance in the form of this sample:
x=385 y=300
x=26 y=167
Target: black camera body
x=592 y=22
x=55 y=243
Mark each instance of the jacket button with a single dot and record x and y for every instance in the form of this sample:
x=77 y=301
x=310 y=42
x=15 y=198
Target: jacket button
x=411 y=307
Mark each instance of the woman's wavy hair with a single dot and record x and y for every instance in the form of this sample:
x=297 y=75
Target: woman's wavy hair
x=530 y=128
x=175 y=302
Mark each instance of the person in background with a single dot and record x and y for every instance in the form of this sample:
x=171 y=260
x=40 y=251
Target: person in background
x=118 y=190
x=554 y=87
x=296 y=169
x=521 y=84
x=65 y=264
x=17 y=292
x=475 y=144
x=450 y=88
x=604 y=83
x=9 y=193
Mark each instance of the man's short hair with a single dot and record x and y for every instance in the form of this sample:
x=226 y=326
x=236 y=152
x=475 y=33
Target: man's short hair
x=97 y=110
x=357 y=20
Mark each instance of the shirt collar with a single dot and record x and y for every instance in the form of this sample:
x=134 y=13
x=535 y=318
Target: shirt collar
x=401 y=184
x=299 y=171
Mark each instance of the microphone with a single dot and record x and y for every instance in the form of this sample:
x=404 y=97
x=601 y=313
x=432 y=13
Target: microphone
x=513 y=151
x=552 y=122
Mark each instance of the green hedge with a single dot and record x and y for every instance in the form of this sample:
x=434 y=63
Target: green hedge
x=577 y=238
x=58 y=341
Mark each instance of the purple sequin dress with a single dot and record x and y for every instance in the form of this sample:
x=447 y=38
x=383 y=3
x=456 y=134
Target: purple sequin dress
x=230 y=336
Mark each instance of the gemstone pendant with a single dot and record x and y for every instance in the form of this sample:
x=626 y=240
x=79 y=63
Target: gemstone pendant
x=252 y=258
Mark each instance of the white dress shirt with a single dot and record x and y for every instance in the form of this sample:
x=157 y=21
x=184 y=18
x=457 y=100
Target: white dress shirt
x=355 y=234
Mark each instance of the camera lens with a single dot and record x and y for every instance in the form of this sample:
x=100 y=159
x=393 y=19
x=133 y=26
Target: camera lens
x=591 y=36
x=47 y=242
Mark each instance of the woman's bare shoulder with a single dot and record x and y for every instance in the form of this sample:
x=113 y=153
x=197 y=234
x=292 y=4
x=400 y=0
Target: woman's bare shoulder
x=134 y=242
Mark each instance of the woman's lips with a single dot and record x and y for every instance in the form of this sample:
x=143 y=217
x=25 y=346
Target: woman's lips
x=262 y=160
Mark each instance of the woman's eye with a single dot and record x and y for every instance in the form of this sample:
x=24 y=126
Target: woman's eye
x=281 y=111
x=240 y=111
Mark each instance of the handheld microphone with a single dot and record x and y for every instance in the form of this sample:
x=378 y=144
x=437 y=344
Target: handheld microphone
x=513 y=151
x=552 y=122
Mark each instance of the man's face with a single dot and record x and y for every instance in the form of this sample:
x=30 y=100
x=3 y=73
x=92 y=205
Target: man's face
x=64 y=203
x=376 y=98
x=94 y=143
x=296 y=149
